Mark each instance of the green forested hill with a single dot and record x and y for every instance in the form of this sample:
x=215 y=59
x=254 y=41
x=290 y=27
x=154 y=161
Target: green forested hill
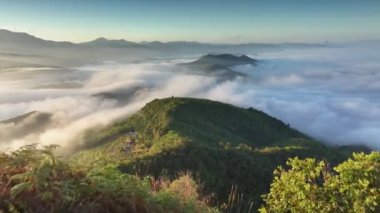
x=222 y=145
x=203 y=122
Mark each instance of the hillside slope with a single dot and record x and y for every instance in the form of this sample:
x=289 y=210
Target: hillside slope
x=208 y=121
x=221 y=144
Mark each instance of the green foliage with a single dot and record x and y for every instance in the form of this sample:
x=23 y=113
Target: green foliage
x=34 y=180
x=221 y=144
x=204 y=121
x=309 y=186
x=357 y=186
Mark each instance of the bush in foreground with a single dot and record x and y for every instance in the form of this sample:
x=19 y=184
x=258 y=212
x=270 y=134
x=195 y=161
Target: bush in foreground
x=311 y=186
x=34 y=180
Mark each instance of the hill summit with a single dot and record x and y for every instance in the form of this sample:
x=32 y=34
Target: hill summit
x=225 y=60
x=219 y=64
x=103 y=42
x=221 y=144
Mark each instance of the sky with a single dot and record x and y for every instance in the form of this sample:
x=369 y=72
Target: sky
x=217 y=21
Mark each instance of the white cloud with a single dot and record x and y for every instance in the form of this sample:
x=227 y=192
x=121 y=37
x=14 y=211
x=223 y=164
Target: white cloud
x=327 y=93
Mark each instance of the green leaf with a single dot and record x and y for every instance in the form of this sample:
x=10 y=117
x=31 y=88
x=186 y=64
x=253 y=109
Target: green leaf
x=21 y=176
x=46 y=196
x=17 y=189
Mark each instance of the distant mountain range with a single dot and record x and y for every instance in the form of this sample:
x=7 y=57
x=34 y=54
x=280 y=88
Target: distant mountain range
x=22 y=46
x=10 y=39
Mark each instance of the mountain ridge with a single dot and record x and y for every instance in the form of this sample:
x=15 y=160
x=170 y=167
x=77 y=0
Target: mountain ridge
x=219 y=64
x=24 y=38
x=25 y=35
x=221 y=144
x=24 y=125
x=69 y=54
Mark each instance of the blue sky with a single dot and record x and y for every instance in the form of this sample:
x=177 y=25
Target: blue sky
x=234 y=21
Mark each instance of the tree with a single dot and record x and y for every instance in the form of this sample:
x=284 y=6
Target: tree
x=310 y=186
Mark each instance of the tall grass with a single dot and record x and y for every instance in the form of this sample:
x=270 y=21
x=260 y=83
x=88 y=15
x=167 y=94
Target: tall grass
x=236 y=202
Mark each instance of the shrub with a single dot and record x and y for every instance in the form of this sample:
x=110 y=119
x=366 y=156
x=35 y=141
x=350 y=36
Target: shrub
x=311 y=186
x=34 y=180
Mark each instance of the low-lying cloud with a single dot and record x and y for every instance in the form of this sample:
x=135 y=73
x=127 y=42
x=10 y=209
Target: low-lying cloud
x=327 y=93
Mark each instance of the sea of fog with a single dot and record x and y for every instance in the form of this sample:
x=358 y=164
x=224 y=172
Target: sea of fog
x=331 y=94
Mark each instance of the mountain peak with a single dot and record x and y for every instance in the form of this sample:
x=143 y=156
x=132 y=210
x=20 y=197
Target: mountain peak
x=100 y=39
x=206 y=117
x=226 y=59
x=104 y=42
x=223 y=144
x=220 y=64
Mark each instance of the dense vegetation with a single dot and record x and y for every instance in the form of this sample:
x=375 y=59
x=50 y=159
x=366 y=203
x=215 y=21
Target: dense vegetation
x=312 y=186
x=33 y=180
x=222 y=145
x=192 y=155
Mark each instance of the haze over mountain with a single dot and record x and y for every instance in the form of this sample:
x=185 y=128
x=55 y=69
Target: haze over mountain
x=118 y=77
x=25 y=125
x=211 y=106
x=218 y=64
x=21 y=49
